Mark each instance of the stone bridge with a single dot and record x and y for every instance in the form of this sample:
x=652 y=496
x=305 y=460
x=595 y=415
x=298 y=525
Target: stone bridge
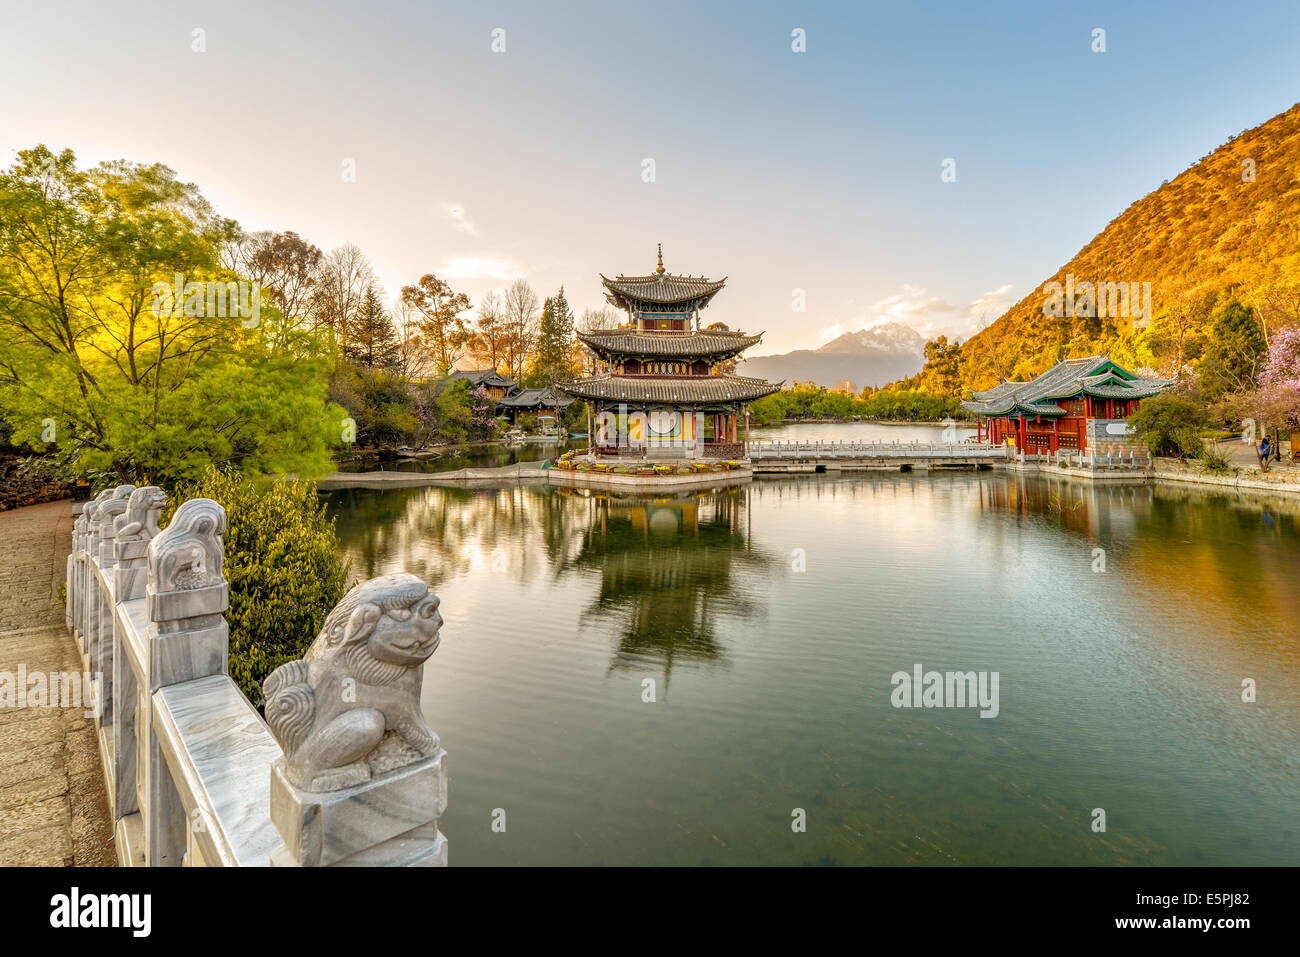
x=896 y=456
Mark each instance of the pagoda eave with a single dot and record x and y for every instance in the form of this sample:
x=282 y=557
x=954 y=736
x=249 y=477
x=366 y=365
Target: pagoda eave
x=657 y=390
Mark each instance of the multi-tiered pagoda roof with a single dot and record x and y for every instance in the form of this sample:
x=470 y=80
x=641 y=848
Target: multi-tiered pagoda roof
x=661 y=288
x=722 y=344
x=671 y=390
x=662 y=357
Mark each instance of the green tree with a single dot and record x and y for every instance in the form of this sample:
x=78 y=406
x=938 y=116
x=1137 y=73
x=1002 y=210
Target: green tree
x=942 y=371
x=553 y=355
x=1170 y=424
x=373 y=341
x=1235 y=353
x=380 y=403
x=100 y=366
x=284 y=566
x=441 y=326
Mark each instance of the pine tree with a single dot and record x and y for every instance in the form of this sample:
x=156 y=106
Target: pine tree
x=1232 y=361
x=373 y=341
x=553 y=358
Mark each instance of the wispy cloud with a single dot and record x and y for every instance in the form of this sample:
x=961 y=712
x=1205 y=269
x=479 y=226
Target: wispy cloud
x=480 y=267
x=457 y=212
x=990 y=306
x=928 y=314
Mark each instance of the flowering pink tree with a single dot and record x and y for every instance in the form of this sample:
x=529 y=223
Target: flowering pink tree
x=481 y=405
x=1278 y=398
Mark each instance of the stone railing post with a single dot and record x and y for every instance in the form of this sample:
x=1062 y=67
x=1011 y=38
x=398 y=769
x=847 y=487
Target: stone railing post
x=75 y=590
x=100 y=651
x=86 y=573
x=132 y=532
x=186 y=597
x=363 y=779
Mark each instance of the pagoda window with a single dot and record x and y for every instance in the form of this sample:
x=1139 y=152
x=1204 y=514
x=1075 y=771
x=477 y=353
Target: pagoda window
x=666 y=368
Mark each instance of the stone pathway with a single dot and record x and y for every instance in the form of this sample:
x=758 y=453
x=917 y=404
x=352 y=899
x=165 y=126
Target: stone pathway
x=1244 y=456
x=53 y=807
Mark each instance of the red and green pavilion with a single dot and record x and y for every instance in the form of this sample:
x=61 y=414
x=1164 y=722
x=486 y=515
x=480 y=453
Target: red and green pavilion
x=1075 y=405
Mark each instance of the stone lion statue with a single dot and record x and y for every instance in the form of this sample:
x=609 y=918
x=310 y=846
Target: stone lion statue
x=140 y=520
x=350 y=708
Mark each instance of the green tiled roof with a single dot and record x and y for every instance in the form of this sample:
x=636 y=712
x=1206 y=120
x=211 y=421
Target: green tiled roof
x=1095 y=376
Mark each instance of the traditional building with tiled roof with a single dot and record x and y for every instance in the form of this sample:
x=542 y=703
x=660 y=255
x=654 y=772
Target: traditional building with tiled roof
x=497 y=385
x=663 y=388
x=532 y=400
x=1075 y=405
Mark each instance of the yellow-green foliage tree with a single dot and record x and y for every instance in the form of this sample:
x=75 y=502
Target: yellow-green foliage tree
x=282 y=560
x=105 y=369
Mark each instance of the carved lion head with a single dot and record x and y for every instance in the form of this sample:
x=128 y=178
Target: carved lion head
x=395 y=616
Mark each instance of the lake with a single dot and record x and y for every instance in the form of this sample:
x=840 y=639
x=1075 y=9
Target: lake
x=670 y=680
x=495 y=455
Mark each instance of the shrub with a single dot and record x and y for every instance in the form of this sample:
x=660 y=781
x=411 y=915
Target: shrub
x=1212 y=460
x=283 y=562
x=1170 y=425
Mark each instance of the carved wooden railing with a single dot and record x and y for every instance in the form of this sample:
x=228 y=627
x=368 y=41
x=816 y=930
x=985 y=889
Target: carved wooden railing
x=345 y=773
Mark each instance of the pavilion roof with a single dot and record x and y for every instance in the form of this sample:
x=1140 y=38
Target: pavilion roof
x=660 y=288
x=706 y=343
x=487 y=377
x=535 y=398
x=688 y=390
x=1096 y=376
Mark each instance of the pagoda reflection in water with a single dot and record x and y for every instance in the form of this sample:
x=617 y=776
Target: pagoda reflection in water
x=669 y=569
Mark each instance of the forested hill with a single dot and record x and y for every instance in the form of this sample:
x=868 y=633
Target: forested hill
x=1227 y=227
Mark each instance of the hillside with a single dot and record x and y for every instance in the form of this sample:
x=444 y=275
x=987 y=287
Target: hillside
x=867 y=357
x=1208 y=235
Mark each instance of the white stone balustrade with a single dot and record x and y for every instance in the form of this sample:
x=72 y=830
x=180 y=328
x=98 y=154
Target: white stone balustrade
x=347 y=773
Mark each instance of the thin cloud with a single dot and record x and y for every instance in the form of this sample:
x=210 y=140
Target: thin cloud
x=479 y=267
x=912 y=306
x=457 y=212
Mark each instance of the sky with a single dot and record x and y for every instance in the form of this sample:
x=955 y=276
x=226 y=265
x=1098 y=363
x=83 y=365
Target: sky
x=559 y=140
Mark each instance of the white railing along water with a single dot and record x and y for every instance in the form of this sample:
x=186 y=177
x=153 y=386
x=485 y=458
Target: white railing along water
x=344 y=773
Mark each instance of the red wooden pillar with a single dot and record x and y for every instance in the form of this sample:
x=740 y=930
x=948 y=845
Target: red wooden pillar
x=1054 y=441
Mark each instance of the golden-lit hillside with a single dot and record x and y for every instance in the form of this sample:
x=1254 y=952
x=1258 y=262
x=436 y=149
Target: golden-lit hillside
x=1229 y=226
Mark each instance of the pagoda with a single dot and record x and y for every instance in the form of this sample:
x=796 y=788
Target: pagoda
x=663 y=389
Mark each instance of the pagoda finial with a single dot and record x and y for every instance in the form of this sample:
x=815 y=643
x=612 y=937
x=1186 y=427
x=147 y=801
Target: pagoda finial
x=659 y=270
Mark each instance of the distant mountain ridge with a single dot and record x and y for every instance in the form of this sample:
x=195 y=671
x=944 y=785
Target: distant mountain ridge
x=871 y=356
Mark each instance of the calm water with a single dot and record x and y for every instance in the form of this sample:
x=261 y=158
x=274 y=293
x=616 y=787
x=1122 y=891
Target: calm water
x=480 y=456
x=1119 y=690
